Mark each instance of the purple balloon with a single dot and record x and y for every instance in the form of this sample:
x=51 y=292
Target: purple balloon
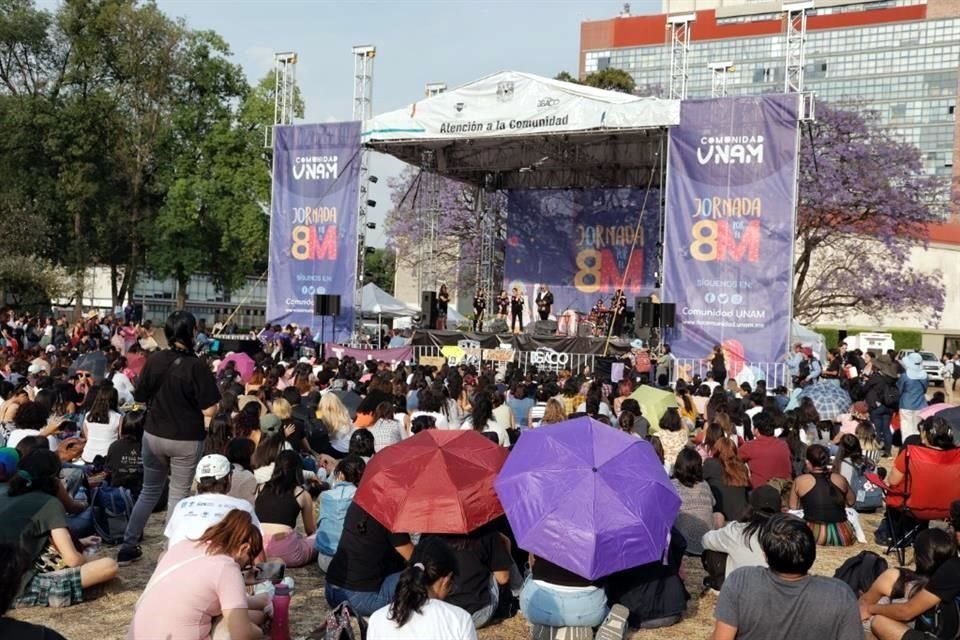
x=588 y=497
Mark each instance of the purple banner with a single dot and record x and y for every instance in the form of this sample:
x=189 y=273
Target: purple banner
x=731 y=189
x=313 y=226
x=399 y=354
x=581 y=244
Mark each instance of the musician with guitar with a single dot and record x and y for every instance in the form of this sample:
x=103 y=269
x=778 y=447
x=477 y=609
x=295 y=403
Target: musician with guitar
x=544 y=302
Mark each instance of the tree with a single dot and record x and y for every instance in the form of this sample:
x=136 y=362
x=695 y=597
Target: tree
x=436 y=227
x=612 y=80
x=212 y=219
x=865 y=204
x=381 y=268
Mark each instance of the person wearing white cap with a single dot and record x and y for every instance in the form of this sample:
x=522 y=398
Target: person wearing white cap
x=195 y=514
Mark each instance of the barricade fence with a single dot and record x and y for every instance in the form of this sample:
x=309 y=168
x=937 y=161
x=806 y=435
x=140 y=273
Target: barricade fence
x=774 y=373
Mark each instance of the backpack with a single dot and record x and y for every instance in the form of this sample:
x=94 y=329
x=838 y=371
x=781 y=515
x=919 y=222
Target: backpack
x=869 y=496
x=112 y=507
x=860 y=571
x=343 y=623
x=890 y=395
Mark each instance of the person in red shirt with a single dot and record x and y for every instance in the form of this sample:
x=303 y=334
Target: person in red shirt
x=768 y=457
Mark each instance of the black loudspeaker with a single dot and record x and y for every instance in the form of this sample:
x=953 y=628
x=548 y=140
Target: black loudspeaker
x=326 y=305
x=841 y=335
x=542 y=328
x=645 y=313
x=668 y=314
x=428 y=308
x=495 y=326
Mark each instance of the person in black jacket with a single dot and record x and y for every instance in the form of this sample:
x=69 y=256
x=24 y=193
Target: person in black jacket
x=877 y=392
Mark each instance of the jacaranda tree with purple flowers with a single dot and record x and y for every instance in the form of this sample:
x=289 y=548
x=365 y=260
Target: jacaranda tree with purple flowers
x=865 y=204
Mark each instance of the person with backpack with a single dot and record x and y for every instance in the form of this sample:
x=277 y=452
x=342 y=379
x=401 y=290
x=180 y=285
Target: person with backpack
x=850 y=462
x=935 y=607
x=882 y=397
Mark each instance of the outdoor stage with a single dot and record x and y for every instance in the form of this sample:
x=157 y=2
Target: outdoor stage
x=521 y=342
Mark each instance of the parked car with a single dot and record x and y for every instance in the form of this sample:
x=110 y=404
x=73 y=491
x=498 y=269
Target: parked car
x=931 y=364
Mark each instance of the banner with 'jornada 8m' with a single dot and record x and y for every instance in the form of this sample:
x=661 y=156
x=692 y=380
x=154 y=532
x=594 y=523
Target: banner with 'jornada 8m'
x=731 y=202
x=313 y=226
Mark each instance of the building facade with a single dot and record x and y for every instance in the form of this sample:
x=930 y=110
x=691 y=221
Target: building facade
x=899 y=58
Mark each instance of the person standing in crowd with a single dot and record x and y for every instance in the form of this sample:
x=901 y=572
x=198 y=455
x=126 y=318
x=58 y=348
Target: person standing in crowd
x=503 y=305
x=882 y=395
x=443 y=305
x=516 y=311
x=544 y=302
x=912 y=384
x=784 y=601
x=618 y=312
x=179 y=390
x=718 y=364
x=479 y=307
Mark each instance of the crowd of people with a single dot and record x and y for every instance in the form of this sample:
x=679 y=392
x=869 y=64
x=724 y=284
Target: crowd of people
x=259 y=469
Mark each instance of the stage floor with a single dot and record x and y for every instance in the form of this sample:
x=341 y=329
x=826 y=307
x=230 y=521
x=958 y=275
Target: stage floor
x=521 y=342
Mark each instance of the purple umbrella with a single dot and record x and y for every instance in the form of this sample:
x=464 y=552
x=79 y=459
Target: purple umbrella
x=242 y=362
x=587 y=497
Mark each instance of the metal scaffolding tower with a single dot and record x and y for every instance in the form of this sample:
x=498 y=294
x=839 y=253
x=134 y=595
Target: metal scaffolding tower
x=284 y=86
x=796 y=17
x=718 y=78
x=363 y=59
x=679 y=28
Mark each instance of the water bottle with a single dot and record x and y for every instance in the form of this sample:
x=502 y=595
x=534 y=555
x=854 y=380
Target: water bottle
x=280 y=628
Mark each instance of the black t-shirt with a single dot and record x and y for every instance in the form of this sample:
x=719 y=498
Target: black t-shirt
x=548 y=572
x=125 y=464
x=945 y=584
x=478 y=555
x=731 y=501
x=177 y=387
x=366 y=554
x=11 y=629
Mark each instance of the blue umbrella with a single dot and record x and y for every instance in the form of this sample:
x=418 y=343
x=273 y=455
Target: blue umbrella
x=829 y=398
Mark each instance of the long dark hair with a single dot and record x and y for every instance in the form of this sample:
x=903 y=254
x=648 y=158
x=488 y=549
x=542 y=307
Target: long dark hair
x=432 y=560
x=755 y=519
x=219 y=434
x=482 y=411
x=848 y=448
x=287 y=474
x=39 y=470
x=931 y=549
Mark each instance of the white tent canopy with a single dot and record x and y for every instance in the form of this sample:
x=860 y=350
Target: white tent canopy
x=518 y=130
x=809 y=338
x=374 y=301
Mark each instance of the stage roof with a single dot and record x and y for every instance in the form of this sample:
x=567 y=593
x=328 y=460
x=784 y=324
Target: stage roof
x=517 y=130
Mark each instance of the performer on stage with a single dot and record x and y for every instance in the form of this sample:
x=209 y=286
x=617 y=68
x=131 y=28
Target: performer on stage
x=618 y=308
x=443 y=302
x=479 y=306
x=516 y=310
x=544 y=302
x=503 y=304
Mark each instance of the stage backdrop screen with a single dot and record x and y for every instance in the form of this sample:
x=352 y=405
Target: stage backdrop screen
x=581 y=244
x=731 y=187
x=313 y=226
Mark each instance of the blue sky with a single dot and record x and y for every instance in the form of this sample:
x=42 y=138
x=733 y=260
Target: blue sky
x=418 y=41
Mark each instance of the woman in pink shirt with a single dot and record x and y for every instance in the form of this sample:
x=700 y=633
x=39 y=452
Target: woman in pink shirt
x=197 y=590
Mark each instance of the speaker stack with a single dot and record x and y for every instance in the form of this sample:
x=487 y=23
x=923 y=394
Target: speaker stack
x=326 y=305
x=428 y=309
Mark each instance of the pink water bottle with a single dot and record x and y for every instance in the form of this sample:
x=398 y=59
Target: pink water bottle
x=280 y=629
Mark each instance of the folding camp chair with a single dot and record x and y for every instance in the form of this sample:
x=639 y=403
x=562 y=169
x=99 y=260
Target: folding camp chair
x=931 y=481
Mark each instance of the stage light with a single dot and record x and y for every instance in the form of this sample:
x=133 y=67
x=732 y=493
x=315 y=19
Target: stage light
x=371 y=203
x=371 y=225
x=373 y=179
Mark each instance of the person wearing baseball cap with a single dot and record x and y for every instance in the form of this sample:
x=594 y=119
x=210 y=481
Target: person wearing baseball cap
x=195 y=514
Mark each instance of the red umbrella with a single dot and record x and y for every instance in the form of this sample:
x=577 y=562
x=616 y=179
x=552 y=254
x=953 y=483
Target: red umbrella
x=435 y=482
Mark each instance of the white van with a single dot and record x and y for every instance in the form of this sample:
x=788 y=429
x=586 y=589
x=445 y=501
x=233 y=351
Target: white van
x=876 y=343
